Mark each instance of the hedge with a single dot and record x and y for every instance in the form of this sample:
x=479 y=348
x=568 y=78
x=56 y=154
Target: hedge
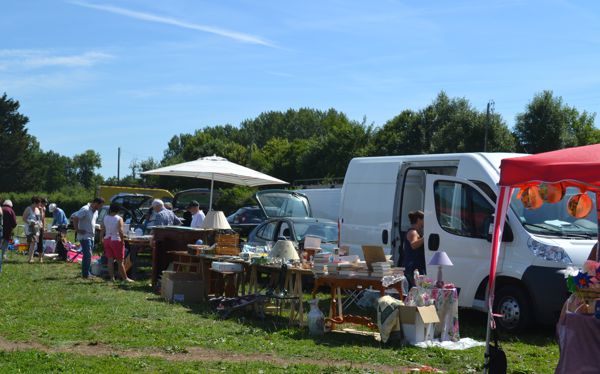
x=68 y=199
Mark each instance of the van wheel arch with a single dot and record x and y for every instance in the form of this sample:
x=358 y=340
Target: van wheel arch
x=514 y=301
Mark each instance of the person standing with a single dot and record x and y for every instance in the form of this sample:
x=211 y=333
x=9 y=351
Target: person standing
x=414 y=248
x=163 y=216
x=40 y=244
x=84 y=223
x=9 y=222
x=197 y=214
x=32 y=216
x=114 y=242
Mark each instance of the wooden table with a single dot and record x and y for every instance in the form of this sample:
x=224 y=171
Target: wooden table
x=336 y=283
x=292 y=283
x=137 y=245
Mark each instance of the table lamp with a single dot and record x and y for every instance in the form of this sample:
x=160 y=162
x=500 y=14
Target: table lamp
x=215 y=219
x=440 y=259
x=285 y=250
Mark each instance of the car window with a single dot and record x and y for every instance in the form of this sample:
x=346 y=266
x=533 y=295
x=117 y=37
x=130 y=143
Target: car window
x=328 y=232
x=462 y=210
x=267 y=231
x=285 y=230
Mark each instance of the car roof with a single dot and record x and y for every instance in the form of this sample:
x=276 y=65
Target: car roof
x=302 y=219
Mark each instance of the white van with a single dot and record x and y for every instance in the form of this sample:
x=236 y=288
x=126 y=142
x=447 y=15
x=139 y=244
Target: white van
x=458 y=192
x=324 y=202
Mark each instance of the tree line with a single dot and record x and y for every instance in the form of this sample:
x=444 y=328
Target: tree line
x=304 y=143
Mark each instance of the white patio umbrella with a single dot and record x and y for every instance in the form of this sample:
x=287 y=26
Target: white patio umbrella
x=218 y=169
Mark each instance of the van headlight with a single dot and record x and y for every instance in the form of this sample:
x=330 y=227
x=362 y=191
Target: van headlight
x=548 y=252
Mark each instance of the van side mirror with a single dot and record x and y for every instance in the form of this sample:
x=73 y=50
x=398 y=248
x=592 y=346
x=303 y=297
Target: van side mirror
x=507 y=234
x=384 y=236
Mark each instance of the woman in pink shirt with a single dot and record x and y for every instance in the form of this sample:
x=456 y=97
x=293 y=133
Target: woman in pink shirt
x=114 y=242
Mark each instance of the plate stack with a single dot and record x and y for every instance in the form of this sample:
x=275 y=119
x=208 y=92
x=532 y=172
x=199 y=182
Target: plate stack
x=381 y=269
x=320 y=263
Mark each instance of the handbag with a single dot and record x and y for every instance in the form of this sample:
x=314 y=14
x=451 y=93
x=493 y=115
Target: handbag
x=497 y=363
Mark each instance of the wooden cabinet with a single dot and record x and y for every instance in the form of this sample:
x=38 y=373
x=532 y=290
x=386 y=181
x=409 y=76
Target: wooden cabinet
x=170 y=239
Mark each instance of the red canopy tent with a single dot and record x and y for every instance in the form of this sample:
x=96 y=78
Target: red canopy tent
x=578 y=166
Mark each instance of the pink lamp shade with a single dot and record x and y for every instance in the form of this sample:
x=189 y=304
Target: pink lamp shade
x=440 y=259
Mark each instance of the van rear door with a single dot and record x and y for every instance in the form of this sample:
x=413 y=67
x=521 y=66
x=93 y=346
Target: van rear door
x=457 y=216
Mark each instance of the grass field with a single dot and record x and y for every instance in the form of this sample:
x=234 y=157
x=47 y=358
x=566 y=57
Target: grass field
x=51 y=320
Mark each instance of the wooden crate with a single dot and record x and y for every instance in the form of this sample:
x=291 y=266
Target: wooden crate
x=227 y=244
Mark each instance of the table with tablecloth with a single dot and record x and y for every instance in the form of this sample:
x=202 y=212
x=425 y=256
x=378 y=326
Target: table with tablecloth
x=445 y=301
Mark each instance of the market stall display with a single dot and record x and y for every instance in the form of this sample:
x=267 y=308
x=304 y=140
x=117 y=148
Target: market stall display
x=550 y=172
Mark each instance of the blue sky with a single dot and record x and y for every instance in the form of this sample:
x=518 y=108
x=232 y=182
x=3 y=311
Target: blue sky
x=101 y=74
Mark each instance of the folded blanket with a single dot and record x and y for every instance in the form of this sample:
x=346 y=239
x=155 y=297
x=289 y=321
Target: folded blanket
x=388 y=320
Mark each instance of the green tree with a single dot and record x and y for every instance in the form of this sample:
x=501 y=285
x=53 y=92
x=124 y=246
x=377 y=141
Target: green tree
x=447 y=125
x=85 y=165
x=15 y=145
x=548 y=124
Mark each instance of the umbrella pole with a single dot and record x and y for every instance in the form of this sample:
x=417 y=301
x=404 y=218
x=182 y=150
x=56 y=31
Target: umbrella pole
x=212 y=183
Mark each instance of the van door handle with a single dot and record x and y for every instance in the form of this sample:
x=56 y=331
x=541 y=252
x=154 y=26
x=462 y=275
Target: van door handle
x=434 y=242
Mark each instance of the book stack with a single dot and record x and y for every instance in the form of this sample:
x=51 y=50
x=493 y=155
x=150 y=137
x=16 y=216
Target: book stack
x=352 y=269
x=320 y=263
x=381 y=269
x=332 y=268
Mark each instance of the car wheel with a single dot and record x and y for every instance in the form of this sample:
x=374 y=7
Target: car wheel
x=512 y=302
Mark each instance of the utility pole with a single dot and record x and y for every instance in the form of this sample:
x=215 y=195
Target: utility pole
x=490 y=108
x=119 y=165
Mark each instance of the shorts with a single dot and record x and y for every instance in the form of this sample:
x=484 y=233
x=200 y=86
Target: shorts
x=114 y=249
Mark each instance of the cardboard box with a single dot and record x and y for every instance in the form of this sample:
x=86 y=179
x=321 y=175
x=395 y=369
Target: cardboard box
x=417 y=322
x=182 y=287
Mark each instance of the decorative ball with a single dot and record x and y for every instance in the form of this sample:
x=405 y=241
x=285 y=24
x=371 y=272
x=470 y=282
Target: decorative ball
x=579 y=205
x=552 y=193
x=531 y=197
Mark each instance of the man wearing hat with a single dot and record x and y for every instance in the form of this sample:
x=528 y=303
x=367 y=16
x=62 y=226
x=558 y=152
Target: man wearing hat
x=58 y=216
x=197 y=214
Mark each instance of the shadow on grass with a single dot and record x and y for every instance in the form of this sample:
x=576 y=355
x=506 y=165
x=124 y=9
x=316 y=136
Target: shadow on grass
x=473 y=325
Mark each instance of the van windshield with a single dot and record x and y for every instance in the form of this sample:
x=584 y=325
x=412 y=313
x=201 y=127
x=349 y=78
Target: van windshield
x=553 y=219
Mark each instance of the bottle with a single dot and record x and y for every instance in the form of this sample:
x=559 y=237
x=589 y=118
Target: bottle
x=416 y=281
x=316 y=319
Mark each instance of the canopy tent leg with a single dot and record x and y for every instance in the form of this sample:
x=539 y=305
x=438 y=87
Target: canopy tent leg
x=500 y=217
x=212 y=184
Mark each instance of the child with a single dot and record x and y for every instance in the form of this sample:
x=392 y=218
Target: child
x=114 y=242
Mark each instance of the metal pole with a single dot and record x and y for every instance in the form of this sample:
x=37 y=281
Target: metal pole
x=119 y=165
x=487 y=123
x=212 y=183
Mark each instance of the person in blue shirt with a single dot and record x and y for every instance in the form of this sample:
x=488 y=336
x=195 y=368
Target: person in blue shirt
x=59 y=217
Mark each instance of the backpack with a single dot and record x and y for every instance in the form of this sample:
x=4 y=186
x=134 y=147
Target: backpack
x=496 y=357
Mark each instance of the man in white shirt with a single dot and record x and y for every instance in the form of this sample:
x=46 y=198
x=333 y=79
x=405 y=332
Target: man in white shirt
x=197 y=214
x=84 y=223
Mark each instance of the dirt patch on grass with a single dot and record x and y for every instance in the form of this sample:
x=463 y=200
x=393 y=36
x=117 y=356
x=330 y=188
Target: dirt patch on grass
x=197 y=354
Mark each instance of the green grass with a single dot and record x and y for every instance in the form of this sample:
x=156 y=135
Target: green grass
x=49 y=304
x=32 y=361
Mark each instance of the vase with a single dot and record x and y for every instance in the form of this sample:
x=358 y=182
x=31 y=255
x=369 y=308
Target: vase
x=316 y=319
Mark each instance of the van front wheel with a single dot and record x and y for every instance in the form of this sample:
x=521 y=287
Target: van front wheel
x=511 y=302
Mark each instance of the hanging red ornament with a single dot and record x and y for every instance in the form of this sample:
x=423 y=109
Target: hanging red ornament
x=579 y=205
x=531 y=197
x=552 y=192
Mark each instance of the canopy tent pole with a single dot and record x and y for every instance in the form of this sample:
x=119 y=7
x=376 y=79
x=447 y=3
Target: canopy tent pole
x=500 y=217
x=212 y=184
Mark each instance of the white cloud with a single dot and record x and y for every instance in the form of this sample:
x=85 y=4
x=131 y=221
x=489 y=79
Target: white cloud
x=238 y=36
x=33 y=59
